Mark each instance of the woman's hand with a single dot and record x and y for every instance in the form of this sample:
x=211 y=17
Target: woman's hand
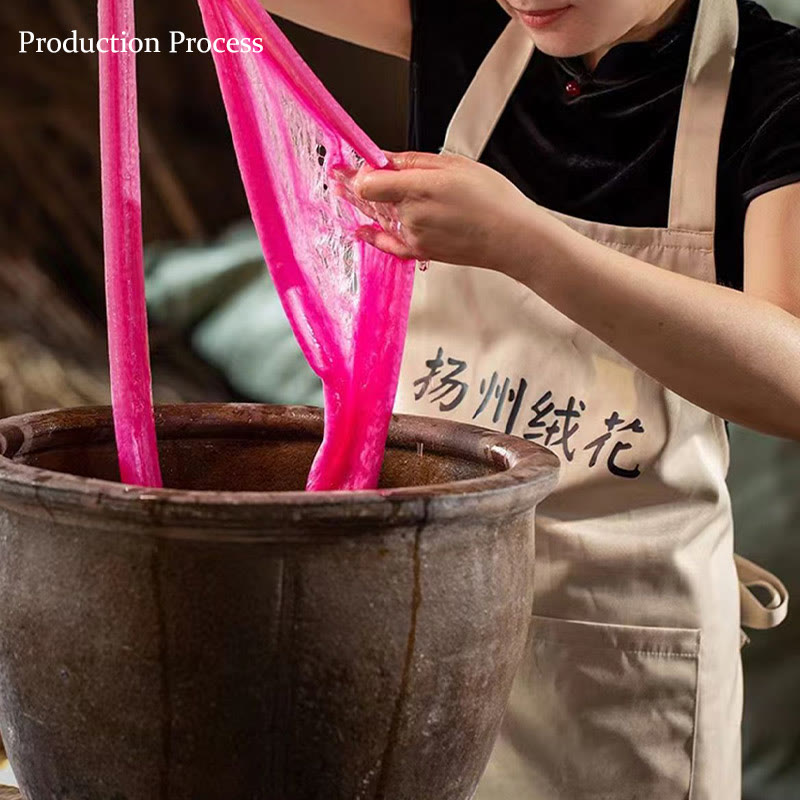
x=443 y=208
x=721 y=349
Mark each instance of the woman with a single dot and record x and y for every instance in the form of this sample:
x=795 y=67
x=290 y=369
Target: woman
x=655 y=297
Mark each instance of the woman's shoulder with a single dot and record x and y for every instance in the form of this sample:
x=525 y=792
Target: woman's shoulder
x=769 y=49
x=762 y=142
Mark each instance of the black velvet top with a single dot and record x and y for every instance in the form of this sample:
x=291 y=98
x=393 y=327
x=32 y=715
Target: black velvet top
x=605 y=153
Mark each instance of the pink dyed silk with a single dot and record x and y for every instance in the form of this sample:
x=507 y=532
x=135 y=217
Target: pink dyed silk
x=129 y=360
x=346 y=301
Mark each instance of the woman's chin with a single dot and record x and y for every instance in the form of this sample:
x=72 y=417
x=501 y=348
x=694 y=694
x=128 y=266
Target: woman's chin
x=567 y=44
x=560 y=46
x=567 y=36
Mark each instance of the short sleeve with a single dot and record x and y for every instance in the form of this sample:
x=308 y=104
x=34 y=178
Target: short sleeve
x=772 y=156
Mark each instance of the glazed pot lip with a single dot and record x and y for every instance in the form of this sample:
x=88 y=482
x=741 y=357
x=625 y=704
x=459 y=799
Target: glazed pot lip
x=527 y=474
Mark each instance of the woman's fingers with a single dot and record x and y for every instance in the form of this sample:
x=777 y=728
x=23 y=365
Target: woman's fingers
x=409 y=174
x=388 y=195
x=390 y=185
x=415 y=160
x=384 y=185
x=379 y=238
x=347 y=192
x=381 y=212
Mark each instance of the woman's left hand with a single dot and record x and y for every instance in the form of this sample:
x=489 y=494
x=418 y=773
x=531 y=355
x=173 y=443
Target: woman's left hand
x=442 y=208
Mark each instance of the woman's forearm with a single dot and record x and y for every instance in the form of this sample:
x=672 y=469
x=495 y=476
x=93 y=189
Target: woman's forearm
x=732 y=354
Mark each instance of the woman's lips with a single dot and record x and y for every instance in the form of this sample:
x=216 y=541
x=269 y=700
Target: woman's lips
x=541 y=19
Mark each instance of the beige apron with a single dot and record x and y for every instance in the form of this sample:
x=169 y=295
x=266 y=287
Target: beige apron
x=631 y=686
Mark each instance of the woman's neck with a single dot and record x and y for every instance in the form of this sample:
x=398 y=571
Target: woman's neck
x=642 y=32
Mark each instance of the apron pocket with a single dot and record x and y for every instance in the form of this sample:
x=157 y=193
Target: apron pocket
x=606 y=712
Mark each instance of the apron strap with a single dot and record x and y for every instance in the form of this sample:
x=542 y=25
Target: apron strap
x=705 y=98
x=755 y=613
x=491 y=88
x=693 y=199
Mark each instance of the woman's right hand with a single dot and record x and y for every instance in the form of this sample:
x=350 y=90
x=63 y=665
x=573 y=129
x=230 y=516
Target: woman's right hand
x=383 y=25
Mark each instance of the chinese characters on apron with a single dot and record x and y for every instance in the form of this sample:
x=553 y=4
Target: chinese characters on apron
x=631 y=684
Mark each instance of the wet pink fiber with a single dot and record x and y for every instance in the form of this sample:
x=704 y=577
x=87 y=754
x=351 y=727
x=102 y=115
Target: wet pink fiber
x=346 y=301
x=131 y=386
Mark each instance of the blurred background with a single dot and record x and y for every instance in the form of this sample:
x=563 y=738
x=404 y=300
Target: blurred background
x=217 y=329
x=203 y=264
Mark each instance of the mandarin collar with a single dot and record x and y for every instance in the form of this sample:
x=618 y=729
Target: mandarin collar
x=631 y=60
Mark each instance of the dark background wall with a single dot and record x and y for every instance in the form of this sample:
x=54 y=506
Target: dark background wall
x=50 y=188
x=52 y=342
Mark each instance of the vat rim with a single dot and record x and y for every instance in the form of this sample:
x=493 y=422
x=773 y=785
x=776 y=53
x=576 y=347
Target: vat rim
x=530 y=473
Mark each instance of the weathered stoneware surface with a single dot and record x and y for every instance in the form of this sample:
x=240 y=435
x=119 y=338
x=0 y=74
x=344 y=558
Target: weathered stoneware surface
x=232 y=636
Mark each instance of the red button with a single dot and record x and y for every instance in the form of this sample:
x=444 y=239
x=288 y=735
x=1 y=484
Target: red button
x=573 y=89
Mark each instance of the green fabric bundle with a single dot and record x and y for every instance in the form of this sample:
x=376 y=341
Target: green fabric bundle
x=221 y=296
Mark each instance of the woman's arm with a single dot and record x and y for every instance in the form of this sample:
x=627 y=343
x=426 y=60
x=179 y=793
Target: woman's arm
x=735 y=354
x=772 y=248
x=383 y=25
